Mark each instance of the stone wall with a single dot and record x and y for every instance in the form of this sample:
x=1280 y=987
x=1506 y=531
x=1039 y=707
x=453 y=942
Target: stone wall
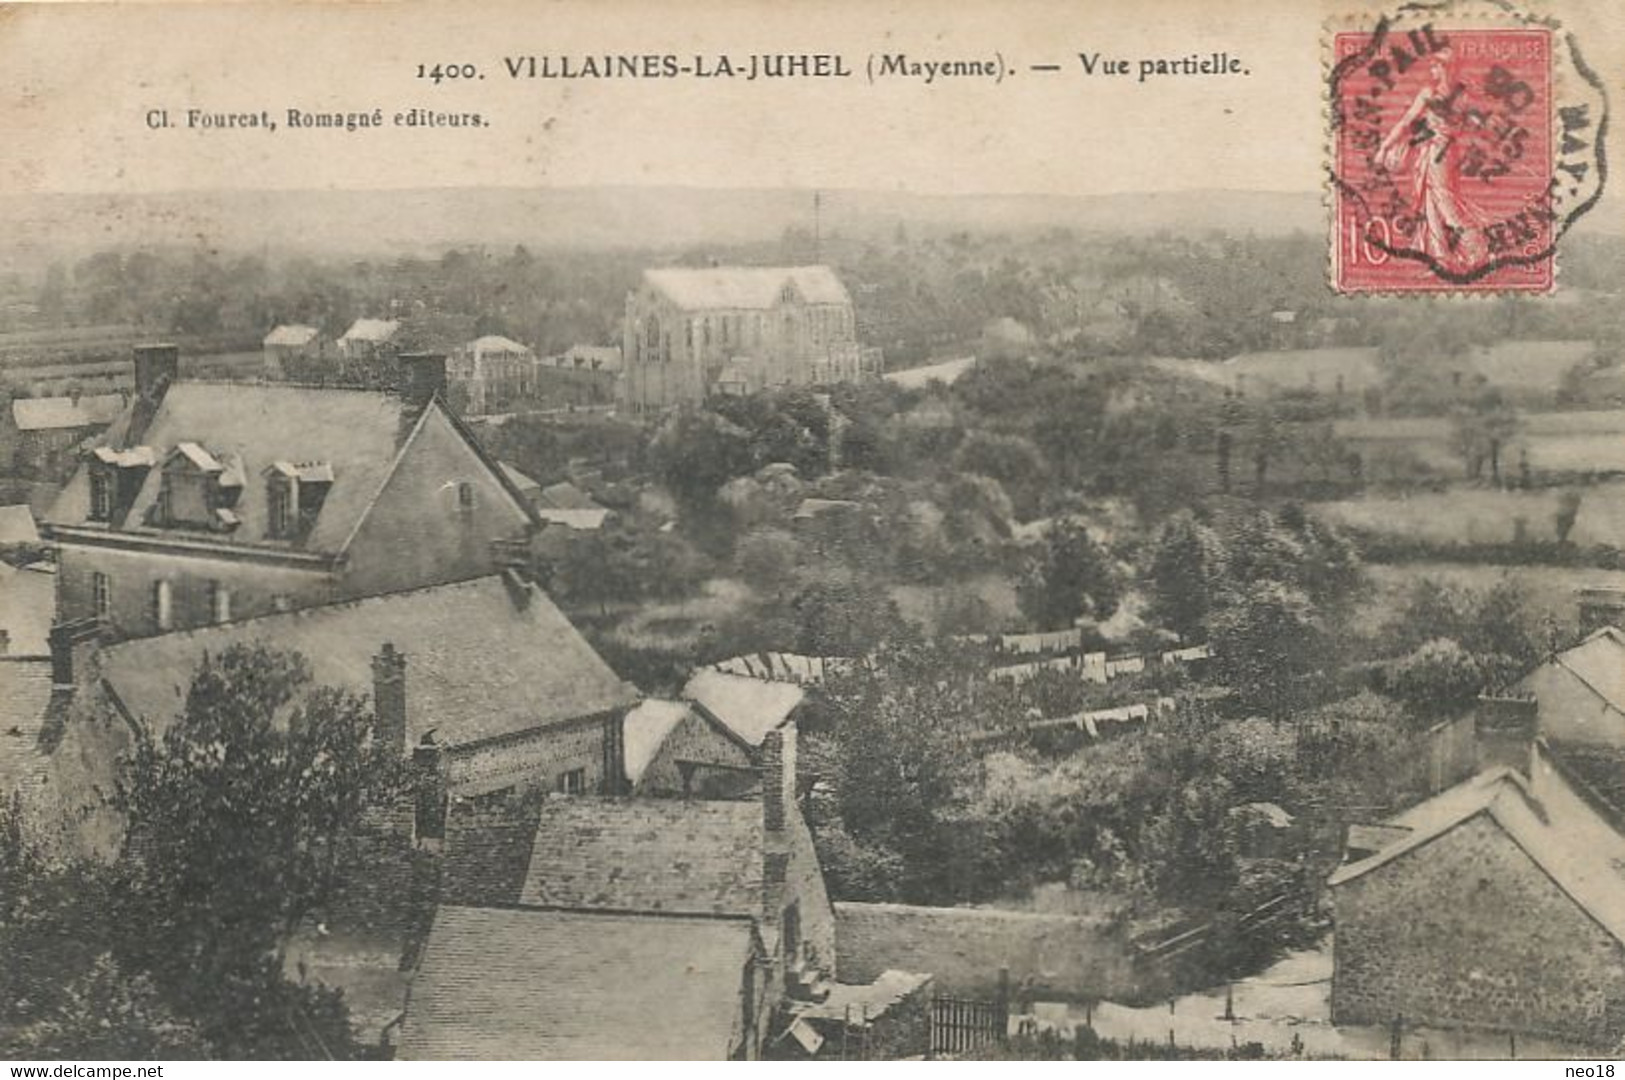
x=534 y=759
x=131 y=576
x=1057 y=956
x=1466 y=931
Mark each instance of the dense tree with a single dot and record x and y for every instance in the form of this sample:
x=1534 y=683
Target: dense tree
x=1272 y=647
x=1072 y=576
x=1186 y=571
x=238 y=814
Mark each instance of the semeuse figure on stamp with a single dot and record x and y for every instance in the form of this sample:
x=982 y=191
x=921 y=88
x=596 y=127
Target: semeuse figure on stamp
x=1426 y=144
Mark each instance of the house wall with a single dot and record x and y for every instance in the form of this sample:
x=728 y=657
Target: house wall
x=534 y=760
x=132 y=575
x=416 y=533
x=804 y=882
x=963 y=949
x=49 y=453
x=691 y=740
x=1570 y=712
x=1467 y=931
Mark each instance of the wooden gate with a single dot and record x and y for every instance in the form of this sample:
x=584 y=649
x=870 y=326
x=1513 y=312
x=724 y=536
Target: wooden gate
x=963 y=1025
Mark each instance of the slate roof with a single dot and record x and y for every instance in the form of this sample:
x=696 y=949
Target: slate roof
x=646 y=729
x=506 y=984
x=485 y=658
x=292 y=334
x=357 y=432
x=1587 y=864
x=757 y=287
x=1596 y=771
x=60 y=413
x=651 y=855
x=17 y=525
x=487 y=850
x=566 y=496
x=371 y=330
x=584 y=520
x=750 y=708
x=522 y=483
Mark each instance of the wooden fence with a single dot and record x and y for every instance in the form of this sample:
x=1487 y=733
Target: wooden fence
x=964 y=1025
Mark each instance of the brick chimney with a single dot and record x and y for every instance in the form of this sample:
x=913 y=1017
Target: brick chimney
x=422 y=376
x=429 y=784
x=778 y=771
x=71 y=643
x=156 y=366
x=1504 y=727
x=389 y=697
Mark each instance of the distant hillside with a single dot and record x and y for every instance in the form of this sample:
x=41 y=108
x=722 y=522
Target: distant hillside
x=412 y=221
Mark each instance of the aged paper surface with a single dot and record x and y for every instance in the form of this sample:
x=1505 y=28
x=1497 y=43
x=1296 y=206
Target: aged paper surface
x=835 y=531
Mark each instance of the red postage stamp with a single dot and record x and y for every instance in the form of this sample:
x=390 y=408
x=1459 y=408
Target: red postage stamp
x=1456 y=164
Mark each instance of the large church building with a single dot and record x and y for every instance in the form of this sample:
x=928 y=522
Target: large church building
x=692 y=333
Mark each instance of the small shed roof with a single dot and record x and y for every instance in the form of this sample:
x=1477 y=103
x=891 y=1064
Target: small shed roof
x=61 y=413
x=748 y=707
x=516 y=983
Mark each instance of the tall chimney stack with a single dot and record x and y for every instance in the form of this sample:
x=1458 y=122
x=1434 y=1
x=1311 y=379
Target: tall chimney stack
x=778 y=769
x=156 y=366
x=389 y=697
x=429 y=783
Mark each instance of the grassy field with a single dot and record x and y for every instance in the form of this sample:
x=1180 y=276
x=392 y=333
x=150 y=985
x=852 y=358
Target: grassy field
x=1551 y=591
x=1556 y=442
x=1484 y=515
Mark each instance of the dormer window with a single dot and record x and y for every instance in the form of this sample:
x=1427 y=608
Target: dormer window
x=196 y=485
x=101 y=493
x=279 y=496
x=294 y=493
x=116 y=477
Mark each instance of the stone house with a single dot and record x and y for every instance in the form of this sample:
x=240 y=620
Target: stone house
x=484 y=679
x=1497 y=905
x=654 y=858
x=48 y=430
x=690 y=333
x=290 y=347
x=369 y=340
x=207 y=502
x=1580 y=692
x=492 y=373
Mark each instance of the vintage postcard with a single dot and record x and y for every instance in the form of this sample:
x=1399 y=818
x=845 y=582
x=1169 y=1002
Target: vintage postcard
x=734 y=530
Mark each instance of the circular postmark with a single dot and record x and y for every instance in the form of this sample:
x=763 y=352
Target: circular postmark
x=1466 y=138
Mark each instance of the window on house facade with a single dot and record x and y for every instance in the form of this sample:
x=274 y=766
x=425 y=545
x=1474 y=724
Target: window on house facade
x=279 y=499
x=101 y=593
x=465 y=497
x=101 y=494
x=163 y=605
x=573 y=782
x=219 y=602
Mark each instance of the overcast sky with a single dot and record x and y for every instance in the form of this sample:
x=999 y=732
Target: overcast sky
x=89 y=74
